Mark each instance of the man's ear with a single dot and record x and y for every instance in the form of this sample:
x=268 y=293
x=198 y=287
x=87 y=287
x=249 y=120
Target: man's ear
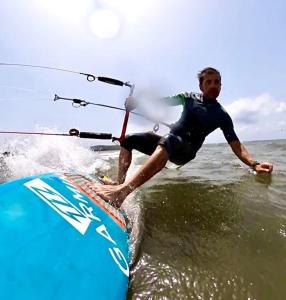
x=200 y=87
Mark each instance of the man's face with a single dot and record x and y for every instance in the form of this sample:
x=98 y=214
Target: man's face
x=211 y=86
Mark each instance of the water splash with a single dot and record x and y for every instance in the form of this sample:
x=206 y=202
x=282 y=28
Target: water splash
x=40 y=154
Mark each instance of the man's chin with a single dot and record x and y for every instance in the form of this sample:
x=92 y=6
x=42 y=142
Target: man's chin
x=212 y=96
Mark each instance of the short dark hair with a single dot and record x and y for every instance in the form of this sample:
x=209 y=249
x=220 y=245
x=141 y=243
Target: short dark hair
x=208 y=70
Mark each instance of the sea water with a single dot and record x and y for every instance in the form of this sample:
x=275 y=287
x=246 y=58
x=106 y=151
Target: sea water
x=209 y=230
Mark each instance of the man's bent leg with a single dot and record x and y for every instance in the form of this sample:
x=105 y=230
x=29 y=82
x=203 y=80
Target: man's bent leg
x=155 y=163
x=117 y=194
x=125 y=157
x=142 y=142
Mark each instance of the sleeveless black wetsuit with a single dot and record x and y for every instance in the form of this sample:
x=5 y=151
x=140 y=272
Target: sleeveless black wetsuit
x=199 y=118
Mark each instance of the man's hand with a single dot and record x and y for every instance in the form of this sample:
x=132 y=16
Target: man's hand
x=130 y=104
x=264 y=167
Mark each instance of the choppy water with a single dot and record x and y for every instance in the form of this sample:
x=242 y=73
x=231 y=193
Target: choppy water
x=210 y=230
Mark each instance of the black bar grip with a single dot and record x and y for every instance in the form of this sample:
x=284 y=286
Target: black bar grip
x=94 y=135
x=110 y=80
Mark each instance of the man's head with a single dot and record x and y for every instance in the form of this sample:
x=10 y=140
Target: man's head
x=210 y=82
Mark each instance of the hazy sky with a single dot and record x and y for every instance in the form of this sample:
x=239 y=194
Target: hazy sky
x=159 y=45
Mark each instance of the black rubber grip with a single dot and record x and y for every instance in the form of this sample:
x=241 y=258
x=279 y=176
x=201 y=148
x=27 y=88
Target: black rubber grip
x=110 y=80
x=94 y=135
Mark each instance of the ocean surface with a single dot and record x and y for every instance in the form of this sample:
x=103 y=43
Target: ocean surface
x=209 y=230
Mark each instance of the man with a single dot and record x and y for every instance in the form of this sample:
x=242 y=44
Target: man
x=201 y=115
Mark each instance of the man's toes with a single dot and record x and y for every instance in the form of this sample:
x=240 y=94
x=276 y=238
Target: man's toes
x=107 y=181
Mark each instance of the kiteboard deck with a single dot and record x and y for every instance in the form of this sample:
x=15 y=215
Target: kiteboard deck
x=59 y=240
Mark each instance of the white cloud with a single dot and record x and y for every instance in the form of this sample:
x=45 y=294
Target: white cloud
x=245 y=110
x=281 y=107
x=261 y=117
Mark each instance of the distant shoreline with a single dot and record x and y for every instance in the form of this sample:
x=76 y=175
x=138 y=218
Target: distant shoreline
x=105 y=148
x=117 y=147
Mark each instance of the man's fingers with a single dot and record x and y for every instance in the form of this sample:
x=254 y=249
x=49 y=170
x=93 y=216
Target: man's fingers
x=267 y=169
x=264 y=167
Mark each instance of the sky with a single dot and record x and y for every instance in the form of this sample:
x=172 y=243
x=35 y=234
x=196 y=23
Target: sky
x=158 y=45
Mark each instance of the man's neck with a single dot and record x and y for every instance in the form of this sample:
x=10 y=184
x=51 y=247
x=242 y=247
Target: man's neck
x=208 y=100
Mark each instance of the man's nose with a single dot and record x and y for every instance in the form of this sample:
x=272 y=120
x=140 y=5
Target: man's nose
x=214 y=84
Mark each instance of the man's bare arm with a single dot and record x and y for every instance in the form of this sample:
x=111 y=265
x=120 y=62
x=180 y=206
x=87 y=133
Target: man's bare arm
x=242 y=153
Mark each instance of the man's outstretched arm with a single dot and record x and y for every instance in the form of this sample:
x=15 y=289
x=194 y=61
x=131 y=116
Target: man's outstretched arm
x=241 y=152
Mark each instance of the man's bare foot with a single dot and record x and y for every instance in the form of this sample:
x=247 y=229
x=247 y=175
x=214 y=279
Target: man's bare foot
x=107 y=181
x=113 y=194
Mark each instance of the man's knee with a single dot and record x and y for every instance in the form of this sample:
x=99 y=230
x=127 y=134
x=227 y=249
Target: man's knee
x=124 y=151
x=128 y=143
x=125 y=156
x=162 y=152
x=162 y=149
x=142 y=142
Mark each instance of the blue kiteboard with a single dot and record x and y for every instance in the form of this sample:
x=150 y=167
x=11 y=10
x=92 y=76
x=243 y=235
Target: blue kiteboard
x=59 y=240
